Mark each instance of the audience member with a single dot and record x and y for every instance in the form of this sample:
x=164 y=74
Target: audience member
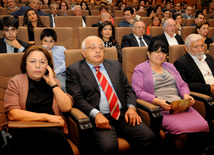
x=84 y=6
x=64 y=7
x=34 y=4
x=158 y=82
x=177 y=8
x=78 y=12
x=199 y=17
x=154 y=21
x=46 y=2
x=204 y=11
x=150 y=12
x=11 y=4
x=158 y=8
x=195 y=67
x=194 y=8
x=104 y=9
x=166 y=15
x=188 y=13
x=91 y=98
x=211 y=7
x=32 y=20
x=138 y=38
x=202 y=29
x=49 y=38
x=10 y=43
x=54 y=9
x=178 y=21
x=106 y=32
x=135 y=15
x=35 y=95
x=128 y=17
x=142 y=8
x=103 y=17
x=122 y=6
x=184 y=5
x=169 y=36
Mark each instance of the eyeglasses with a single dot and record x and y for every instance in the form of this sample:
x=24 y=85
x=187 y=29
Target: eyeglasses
x=159 y=52
x=34 y=62
x=93 y=48
x=140 y=27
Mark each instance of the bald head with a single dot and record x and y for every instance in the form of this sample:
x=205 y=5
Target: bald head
x=105 y=17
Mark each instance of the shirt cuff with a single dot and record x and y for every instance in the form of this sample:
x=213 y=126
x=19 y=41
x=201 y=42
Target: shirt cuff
x=129 y=105
x=21 y=49
x=93 y=113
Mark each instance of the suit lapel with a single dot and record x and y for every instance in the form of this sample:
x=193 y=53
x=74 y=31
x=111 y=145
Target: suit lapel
x=89 y=75
x=146 y=40
x=135 y=43
x=165 y=40
x=210 y=63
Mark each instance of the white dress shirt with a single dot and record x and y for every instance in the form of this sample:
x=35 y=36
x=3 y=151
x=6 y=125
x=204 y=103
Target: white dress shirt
x=171 y=40
x=138 y=41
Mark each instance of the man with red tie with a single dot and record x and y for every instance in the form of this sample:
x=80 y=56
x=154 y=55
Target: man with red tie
x=101 y=90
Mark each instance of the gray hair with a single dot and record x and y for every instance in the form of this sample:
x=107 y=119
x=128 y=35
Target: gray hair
x=77 y=6
x=192 y=37
x=53 y=4
x=166 y=22
x=39 y=2
x=133 y=24
x=86 y=39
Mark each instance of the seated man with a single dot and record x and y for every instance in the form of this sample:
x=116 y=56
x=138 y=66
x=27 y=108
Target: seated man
x=78 y=12
x=188 y=13
x=199 y=17
x=35 y=4
x=128 y=17
x=104 y=9
x=177 y=8
x=10 y=43
x=196 y=68
x=112 y=110
x=54 y=9
x=103 y=17
x=49 y=38
x=11 y=4
x=169 y=36
x=138 y=37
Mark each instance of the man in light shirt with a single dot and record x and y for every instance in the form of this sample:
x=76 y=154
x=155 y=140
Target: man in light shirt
x=195 y=67
x=169 y=36
x=78 y=12
x=138 y=37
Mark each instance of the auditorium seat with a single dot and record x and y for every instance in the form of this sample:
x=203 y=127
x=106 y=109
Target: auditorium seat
x=4 y=11
x=46 y=11
x=187 y=30
x=146 y=20
x=188 y=22
x=211 y=22
x=64 y=36
x=85 y=13
x=118 y=13
x=45 y=20
x=84 y=32
x=211 y=50
x=156 y=30
x=90 y=20
x=120 y=32
x=117 y=20
x=142 y=13
x=95 y=12
x=69 y=12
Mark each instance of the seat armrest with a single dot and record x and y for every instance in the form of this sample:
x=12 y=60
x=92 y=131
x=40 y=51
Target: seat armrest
x=151 y=115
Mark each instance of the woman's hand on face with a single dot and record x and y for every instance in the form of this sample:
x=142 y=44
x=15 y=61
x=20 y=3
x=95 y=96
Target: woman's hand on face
x=192 y=101
x=49 y=78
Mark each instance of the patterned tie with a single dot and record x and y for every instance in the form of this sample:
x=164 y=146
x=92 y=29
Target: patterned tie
x=141 y=42
x=110 y=94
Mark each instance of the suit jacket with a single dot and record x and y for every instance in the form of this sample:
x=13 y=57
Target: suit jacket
x=142 y=81
x=129 y=40
x=82 y=85
x=163 y=38
x=51 y=20
x=96 y=25
x=191 y=74
x=22 y=11
x=185 y=16
x=3 y=48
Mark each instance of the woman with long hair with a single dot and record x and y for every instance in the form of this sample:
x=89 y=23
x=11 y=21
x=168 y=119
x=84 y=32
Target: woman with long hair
x=155 y=21
x=84 y=6
x=64 y=7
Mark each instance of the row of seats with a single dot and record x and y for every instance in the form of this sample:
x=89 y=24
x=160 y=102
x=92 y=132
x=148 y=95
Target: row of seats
x=79 y=123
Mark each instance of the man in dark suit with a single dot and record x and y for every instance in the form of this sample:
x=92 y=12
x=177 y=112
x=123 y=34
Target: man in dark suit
x=9 y=44
x=177 y=8
x=188 y=13
x=78 y=12
x=169 y=36
x=54 y=9
x=103 y=17
x=90 y=97
x=196 y=68
x=138 y=37
x=35 y=4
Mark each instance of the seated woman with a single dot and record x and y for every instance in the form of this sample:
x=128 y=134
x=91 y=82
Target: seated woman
x=155 y=21
x=32 y=20
x=84 y=6
x=64 y=7
x=106 y=32
x=178 y=20
x=202 y=28
x=157 y=81
x=135 y=15
x=166 y=15
x=35 y=95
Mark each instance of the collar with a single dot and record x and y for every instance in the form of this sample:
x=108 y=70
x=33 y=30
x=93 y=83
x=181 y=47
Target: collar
x=169 y=36
x=92 y=66
x=196 y=59
x=137 y=36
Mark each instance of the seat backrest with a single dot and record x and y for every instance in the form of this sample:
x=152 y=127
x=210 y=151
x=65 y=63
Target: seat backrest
x=176 y=51
x=10 y=67
x=64 y=36
x=211 y=22
x=69 y=12
x=72 y=56
x=70 y=21
x=22 y=35
x=117 y=20
x=95 y=12
x=146 y=20
x=45 y=20
x=4 y=11
x=187 y=30
x=132 y=56
x=142 y=13
x=84 y=32
x=85 y=12
x=118 y=13
x=156 y=30
x=211 y=50
x=46 y=11
x=188 y=22
x=90 y=20
x=120 y=32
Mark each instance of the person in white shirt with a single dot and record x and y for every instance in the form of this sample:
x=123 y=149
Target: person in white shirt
x=78 y=12
x=54 y=9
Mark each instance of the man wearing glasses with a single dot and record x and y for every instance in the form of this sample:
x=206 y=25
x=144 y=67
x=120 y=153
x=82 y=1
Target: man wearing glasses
x=138 y=37
x=101 y=90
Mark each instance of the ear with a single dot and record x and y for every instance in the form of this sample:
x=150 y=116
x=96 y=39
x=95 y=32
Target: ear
x=148 y=54
x=2 y=32
x=83 y=53
x=186 y=48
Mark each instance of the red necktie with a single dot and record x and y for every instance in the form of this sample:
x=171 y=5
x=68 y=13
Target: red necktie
x=110 y=94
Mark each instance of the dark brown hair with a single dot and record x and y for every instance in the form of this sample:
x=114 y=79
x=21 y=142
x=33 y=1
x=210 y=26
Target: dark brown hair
x=32 y=49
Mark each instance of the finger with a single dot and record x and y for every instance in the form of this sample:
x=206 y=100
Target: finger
x=126 y=118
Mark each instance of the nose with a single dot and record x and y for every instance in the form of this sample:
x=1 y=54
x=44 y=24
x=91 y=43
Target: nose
x=37 y=64
x=10 y=32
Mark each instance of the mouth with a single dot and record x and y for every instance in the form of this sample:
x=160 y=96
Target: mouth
x=37 y=72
